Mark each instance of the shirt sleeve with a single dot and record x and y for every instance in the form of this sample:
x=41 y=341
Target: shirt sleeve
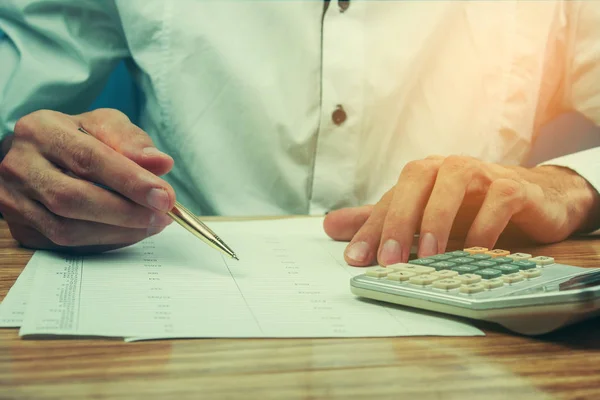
x=55 y=55
x=582 y=83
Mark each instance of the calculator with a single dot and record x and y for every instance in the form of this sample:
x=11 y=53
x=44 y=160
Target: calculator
x=525 y=294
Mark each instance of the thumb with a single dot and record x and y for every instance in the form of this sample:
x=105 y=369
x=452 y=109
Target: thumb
x=114 y=129
x=343 y=224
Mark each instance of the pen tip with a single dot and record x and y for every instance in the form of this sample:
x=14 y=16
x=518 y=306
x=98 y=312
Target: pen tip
x=236 y=257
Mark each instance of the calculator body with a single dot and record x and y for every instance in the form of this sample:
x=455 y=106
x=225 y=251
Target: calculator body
x=549 y=297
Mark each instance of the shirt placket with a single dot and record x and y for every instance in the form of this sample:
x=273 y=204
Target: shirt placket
x=342 y=83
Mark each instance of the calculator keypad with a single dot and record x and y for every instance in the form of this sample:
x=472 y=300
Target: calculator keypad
x=474 y=270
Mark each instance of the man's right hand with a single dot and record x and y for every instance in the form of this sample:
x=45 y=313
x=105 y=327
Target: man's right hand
x=47 y=191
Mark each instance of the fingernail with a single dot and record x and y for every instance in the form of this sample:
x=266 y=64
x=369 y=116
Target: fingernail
x=159 y=199
x=153 y=151
x=428 y=246
x=391 y=252
x=358 y=251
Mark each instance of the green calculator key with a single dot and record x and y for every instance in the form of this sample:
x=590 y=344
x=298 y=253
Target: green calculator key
x=489 y=273
x=463 y=260
x=480 y=257
x=524 y=264
x=502 y=260
x=440 y=257
x=465 y=269
x=507 y=268
x=485 y=264
x=422 y=261
x=458 y=253
x=442 y=265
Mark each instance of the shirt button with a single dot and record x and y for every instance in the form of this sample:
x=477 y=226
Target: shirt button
x=343 y=5
x=339 y=116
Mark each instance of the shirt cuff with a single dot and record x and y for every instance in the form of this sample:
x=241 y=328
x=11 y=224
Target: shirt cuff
x=586 y=163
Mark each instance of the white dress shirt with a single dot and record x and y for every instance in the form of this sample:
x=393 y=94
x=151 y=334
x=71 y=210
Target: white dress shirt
x=276 y=107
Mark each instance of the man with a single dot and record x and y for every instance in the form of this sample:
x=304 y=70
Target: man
x=298 y=107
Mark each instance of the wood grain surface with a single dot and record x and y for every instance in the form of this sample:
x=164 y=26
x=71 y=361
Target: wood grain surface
x=501 y=365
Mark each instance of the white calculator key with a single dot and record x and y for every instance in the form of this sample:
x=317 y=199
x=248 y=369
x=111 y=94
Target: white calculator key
x=542 y=260
x=400 y=276
x=426 y=279
x=447 y=284
x=378 y=272
x=492 y=283
x=519 y=256
x=468 y=279
x=416 y=269
x=445 y=273
x=531 y=273
x=472 y=288
x=513 y=278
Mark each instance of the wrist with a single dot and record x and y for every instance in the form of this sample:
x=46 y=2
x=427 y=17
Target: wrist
x=580 y=198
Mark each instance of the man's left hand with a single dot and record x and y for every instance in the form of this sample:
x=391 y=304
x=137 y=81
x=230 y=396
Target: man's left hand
x=546 y=203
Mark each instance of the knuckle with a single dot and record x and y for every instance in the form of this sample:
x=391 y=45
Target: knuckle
x=57 y=231
x=108 y=114
x=435 y=157
x=397 y=228
x=84 y=161
x=8 y=204
x=131 y=185
x=415 y=168
x=103 y=120
x=58 y=200
x=433 y=217
x=458 y=164
x=11 y=167
x=507 y=189
x=26 y=126
x=31 y=217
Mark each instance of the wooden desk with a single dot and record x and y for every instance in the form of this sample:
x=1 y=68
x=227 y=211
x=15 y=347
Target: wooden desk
x=564 y=365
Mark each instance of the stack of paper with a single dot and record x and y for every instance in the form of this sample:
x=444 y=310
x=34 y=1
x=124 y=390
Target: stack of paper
x=291 y=281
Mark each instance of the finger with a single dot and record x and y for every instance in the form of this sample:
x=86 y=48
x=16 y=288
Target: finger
x=362 y=249
x=504 y=199
x=32 y=239
x=78 y=199
x=406 y=209
x=116 y=130
x=455 y=176
x=73 y=233
x=91 y=159
x=344 y=223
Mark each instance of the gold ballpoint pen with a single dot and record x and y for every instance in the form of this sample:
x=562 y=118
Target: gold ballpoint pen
x=191 y=223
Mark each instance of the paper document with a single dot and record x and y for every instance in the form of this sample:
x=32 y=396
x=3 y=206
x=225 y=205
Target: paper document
x=12 y=308
x=291 y=281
